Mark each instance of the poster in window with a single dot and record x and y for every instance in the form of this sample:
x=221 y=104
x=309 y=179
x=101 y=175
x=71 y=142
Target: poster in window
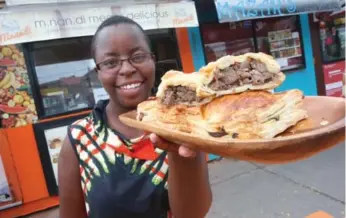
x=54 y=139
x=50 y=137
x=280 y=38
x=334 y=78
x=5 y=191
x=7 y=198
x=17 y=107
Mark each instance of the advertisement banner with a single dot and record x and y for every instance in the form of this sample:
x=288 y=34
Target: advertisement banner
x=31 y=2
x=17 y=106
x=231 y=11
x=19 y=27
x=119 y=2
x=333 y=78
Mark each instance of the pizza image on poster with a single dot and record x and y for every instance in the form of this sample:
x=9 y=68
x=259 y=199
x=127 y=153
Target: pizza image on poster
x=17 y=107
x=54 y=139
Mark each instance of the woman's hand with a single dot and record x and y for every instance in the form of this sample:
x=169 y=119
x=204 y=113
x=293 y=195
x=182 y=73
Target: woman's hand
x=187 y=178
x=182 y=150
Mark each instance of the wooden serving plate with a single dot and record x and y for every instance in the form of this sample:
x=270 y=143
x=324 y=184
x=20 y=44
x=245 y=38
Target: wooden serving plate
x=324 y=128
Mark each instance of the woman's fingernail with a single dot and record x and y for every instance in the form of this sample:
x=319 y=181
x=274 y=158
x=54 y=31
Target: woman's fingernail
x=153 y=138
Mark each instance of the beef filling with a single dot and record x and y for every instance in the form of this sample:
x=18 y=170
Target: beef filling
x=247 y=72
x=179 y=94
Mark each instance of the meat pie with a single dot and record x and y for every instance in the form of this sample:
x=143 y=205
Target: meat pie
x=236 y=74
x=226 y=99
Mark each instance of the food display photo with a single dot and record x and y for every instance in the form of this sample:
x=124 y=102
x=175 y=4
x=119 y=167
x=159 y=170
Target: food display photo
x=228 y=108
x=50 y=136
x=17 y=107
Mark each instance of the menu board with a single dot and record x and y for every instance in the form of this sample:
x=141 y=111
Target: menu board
x=285 y=47
x=17 y=107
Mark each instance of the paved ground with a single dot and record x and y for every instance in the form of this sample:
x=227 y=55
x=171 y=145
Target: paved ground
x=245 y=190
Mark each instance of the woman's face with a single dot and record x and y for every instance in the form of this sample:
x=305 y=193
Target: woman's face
x=128 y=82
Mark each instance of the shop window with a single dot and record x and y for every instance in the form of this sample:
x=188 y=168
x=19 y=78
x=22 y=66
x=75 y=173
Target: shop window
x=332 y=36
x=64 y=71
x=227 y=38
x=279 y=37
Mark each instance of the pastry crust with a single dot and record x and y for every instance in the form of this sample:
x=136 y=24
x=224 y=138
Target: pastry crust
x=252 y=114
x=178 y=117
x=271 y=67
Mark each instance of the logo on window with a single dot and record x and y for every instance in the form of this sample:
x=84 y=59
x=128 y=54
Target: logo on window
x=181 y=16
x=11 y=30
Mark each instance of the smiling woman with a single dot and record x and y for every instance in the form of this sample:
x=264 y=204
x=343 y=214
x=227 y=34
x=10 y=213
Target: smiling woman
x=108 y=169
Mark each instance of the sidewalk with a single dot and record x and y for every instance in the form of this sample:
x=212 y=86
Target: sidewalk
x=245 y=190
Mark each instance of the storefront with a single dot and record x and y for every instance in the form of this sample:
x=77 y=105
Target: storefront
x=278 y=28
x=329 y=50
x=47 y=81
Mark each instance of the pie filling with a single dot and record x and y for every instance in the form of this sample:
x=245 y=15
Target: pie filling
x=248 y=72
x=179 y=94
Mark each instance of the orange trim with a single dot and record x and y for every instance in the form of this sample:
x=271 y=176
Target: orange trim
x=319 y=214
x=31 y=207
x=64 y=116
x=27 y=161
x=185 y=50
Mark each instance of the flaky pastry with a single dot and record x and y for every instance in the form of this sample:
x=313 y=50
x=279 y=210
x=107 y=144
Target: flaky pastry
x=248 y=115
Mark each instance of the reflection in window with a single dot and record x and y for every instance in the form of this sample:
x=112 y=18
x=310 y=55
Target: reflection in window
x=227 y=39
x=332 y=35
x=66 y=86
x=66 y=79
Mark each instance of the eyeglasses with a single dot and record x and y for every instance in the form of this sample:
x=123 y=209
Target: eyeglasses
x=115 y=64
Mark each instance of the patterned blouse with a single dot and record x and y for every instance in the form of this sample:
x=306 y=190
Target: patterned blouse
x=120 y=177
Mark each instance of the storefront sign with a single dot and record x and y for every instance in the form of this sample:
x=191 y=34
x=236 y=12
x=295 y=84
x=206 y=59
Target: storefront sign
x=19 y=27
x=118 y=2
x=30 y=2
x=333 y=78
x=230 y=11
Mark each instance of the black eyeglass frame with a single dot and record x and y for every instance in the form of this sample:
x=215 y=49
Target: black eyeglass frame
x=152 y=55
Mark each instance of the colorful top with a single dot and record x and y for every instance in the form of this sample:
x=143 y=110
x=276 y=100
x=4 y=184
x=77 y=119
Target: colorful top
x=120 y=177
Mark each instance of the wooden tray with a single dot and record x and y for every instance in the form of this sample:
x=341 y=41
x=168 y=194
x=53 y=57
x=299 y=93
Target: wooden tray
x=324 y=128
